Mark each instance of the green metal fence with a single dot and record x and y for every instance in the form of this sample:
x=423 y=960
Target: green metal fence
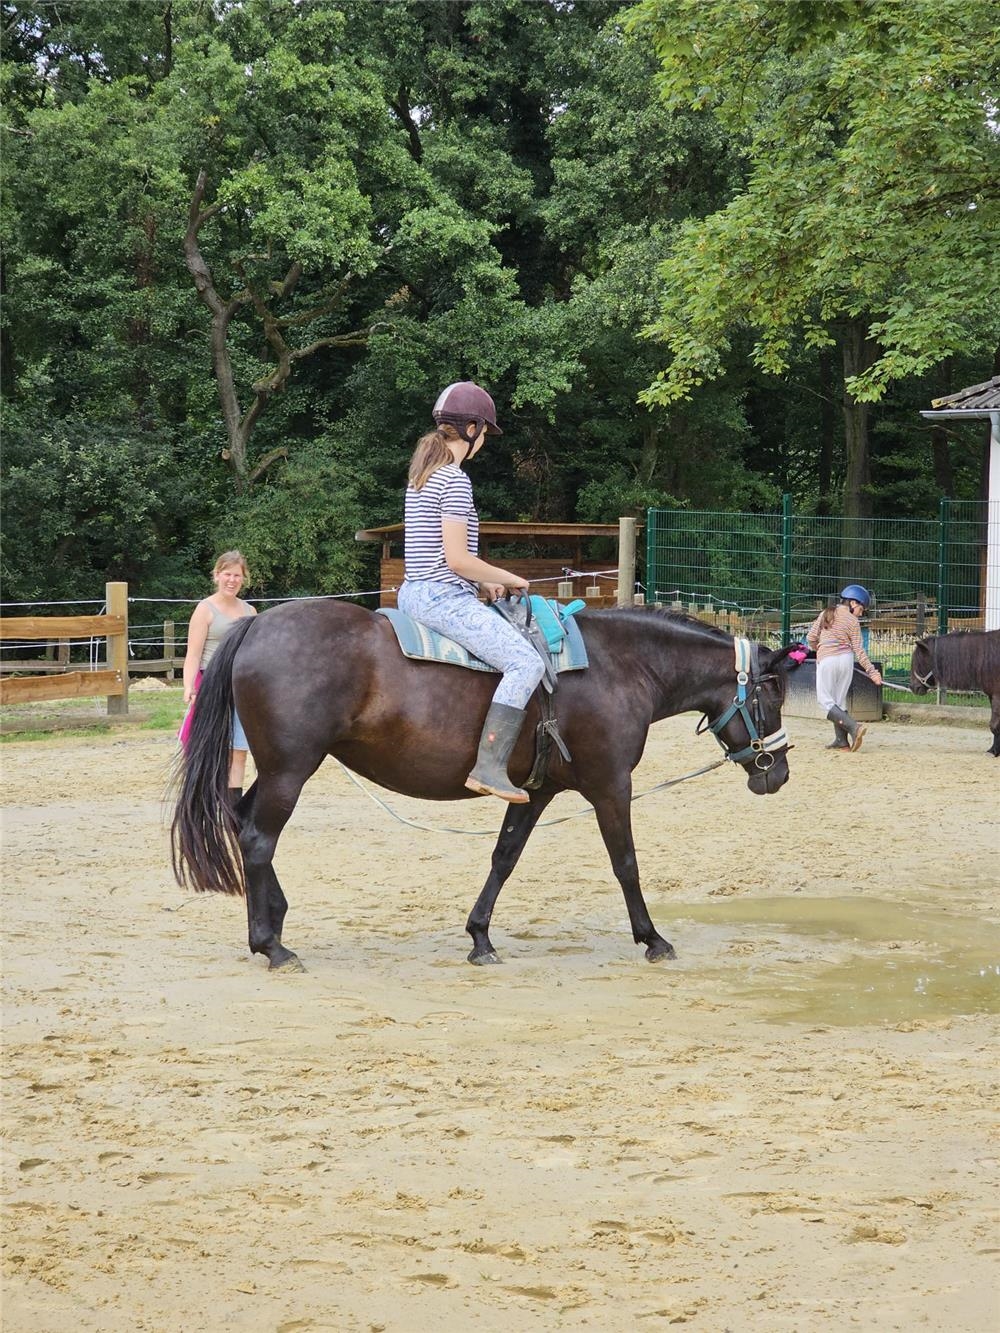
x=770 y=574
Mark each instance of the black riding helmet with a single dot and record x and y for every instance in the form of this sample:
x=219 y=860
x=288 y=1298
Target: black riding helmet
x=463 y=402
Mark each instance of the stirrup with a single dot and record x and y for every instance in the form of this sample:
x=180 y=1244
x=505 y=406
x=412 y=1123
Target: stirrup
x=511 y=794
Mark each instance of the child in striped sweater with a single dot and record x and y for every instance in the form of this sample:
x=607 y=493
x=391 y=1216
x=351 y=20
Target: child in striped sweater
x=836 y=638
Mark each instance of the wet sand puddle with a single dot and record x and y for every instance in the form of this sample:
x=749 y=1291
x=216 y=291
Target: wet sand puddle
x=846 y=961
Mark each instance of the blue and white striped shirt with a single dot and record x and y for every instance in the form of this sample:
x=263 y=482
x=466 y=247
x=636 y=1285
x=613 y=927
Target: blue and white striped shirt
x=447 y=493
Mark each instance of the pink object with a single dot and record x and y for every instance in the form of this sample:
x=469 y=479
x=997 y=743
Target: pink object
x=185 y=730
x=799 y=655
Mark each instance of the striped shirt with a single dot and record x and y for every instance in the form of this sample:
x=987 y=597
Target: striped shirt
x=447 y=493
x=843 y=636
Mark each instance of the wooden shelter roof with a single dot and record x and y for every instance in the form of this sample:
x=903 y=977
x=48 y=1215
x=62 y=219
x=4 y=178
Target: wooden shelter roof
x=977 y=397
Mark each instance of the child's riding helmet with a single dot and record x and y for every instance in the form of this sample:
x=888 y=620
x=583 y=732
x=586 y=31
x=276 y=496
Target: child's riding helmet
x=855 y=593
x=463 y=402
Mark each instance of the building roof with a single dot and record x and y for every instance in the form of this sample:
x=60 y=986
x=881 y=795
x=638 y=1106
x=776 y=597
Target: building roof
x=977 y=397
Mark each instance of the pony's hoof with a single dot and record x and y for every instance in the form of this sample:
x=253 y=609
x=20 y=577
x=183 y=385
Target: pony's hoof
x=662 y=949
x=485 y=958
x=289 y=965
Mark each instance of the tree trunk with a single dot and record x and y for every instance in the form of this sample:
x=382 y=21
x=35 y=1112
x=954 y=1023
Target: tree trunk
x=824 y=464
x=940 y=452
x=240 y=424
x=8 y=378
x=138 y=326
x=649 y=456
x=222 y=314
x=857 y=479
x=856 y=547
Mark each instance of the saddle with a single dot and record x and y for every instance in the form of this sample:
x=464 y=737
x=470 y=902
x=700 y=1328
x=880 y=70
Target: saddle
x=549 y=627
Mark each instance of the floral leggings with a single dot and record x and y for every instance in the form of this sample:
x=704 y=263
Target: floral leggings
x=458 y=614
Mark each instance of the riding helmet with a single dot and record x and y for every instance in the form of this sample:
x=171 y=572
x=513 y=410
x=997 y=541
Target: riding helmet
x=463 y=402
x=855 y=593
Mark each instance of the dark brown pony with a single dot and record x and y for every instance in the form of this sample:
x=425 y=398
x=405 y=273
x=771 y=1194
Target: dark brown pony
x=968 y=660
x=317 y=678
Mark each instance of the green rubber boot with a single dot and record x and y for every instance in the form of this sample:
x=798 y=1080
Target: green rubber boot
x=840 y=741
x=855 y=730
x=489 y=773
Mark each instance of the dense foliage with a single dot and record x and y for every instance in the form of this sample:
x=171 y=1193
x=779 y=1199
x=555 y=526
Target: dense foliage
x=870 y=218
x=245 y=244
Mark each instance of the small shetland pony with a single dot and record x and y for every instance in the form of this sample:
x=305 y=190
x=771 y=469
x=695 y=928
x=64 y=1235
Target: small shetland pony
x=317 y=678
x=969 y=660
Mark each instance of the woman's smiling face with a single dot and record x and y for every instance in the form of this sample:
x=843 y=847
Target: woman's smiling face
x=229 y=579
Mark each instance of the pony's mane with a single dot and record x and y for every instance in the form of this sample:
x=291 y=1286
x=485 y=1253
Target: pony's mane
x=679 y=618
x=967 y=660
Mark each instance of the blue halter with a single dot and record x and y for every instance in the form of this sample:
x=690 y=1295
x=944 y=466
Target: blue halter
x=760 y=748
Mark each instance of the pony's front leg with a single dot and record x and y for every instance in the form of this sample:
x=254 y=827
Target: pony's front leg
x=518 y=822
x=613 y=810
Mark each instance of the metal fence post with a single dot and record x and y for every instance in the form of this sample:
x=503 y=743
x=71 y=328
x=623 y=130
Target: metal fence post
x=652 y=573
x=787 y=520
x=942 y=588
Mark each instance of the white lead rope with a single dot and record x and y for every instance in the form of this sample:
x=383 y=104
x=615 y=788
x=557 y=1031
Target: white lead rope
x=547 y=823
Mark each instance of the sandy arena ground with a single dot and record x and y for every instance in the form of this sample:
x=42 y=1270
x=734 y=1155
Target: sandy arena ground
x=791 y=1127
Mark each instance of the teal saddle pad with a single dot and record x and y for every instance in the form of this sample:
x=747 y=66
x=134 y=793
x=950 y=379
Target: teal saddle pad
x=418 y=641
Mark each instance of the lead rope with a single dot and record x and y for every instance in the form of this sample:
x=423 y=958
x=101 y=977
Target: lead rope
x=546 y=823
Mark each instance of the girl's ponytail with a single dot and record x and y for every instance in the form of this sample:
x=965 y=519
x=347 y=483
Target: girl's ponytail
x=431 y=453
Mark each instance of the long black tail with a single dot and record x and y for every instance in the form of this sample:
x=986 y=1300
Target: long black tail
x=203 y=837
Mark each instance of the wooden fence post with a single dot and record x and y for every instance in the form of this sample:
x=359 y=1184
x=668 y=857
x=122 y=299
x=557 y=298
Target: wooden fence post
x=626 y=561
x=116 y=596
x=168 y=648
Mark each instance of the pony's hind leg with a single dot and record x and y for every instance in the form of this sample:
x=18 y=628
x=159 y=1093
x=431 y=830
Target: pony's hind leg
x=274 y=800
x=518 y=822
x=613 y=818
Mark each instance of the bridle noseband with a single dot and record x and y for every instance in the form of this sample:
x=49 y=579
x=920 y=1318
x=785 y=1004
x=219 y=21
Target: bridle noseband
x=748 y=677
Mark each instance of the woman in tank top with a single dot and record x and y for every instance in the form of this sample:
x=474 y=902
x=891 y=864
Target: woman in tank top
x=444 y=575
x=210 y=622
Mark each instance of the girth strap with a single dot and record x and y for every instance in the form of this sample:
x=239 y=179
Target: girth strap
x=546 y=733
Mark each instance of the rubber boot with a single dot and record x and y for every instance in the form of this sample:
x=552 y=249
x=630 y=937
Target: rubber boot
x=855 y=730
x=840 y=738
x=489 y=773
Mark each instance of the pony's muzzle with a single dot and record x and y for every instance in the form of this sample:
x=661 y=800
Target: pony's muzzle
x=766 y=781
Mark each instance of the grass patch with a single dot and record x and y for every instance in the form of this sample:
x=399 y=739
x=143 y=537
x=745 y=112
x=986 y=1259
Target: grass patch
x=149 y=710
x=164 y=712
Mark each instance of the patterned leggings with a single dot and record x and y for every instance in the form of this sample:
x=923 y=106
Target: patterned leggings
x=458 y=614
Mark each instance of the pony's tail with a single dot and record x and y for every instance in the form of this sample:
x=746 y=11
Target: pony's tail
x=204 y=846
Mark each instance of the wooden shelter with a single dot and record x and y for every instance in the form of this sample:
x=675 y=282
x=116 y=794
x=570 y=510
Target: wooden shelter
x=981 y=402
x=557 y=564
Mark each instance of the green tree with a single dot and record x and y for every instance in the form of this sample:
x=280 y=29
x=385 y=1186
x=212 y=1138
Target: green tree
x=870 y=213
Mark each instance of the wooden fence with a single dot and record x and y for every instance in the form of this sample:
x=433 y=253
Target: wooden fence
x=55 y=677
x=110 y=679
